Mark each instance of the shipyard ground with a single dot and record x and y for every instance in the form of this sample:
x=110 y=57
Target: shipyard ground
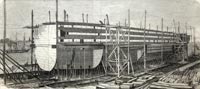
x=170 y=76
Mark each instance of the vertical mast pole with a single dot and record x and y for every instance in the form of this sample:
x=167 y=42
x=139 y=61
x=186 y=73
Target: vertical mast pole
x=24 y=43
x=57 y=34
x=162 y=41
x=118 y=53
x=157 y=27
x=186 y=28
x=4 y=43
x=157 y=32
x=16 y=41
x=174 y=34
x=67 y=18
x=49 y=16
x=125 y=23
x=145 y=41
x=192 y=33
x=149 y=26
x=84 y=63
x=86 y=18
x=129 y=23
x=32 y=42
x=83 y=17
x=56 y=21
x=179 y=28
x=167 y=29
x=194 y=41
x=106 y=46
x=64 y=15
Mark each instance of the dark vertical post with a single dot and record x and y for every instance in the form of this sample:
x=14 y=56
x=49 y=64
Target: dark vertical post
x=64 y=15
x=32 y=39
x=194 y=41
x=4 y=43
x=118 y=50
x=129 y=24
x=174 y=22
x=191 y=32
x=179 y=28
x=149 y=29
x=192 y=36
x=173 y=37
x=84 y=62
x=83 y=17
x=168 y=33
x=186 y=28
x=57 y=35
x=157 y=32
x=167 y=29
x=10 y=46
x=16 y=42
x=125 y=23
x=106 y=46
x=67 y=18
x=149 y=26
x=49 y=16
x=162 y=40
x=24 y=43
x=174 y=34
x=108 y=23
x=145 y=41
x=157 y=27
x=87 y=18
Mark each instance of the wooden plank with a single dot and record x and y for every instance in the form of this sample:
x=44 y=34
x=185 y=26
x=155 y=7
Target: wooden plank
x=82 y=30
x=172 y=85
x=97 y=46
x=81 y=44
x=80 y=23
x=73 y=23
x=101 y=25
x=188 y=65
x=104 y=37
x=147 y=38
x=109 y=43
x=92 y=30
x=83 y=37
x=156 y=33
x=151 y=30
x=49 y=23
x=149 y=34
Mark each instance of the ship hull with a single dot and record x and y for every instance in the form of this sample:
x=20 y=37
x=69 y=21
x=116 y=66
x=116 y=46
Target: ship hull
x=86 y=48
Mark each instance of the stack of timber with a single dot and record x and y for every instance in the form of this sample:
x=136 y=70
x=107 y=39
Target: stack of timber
x=185 y=77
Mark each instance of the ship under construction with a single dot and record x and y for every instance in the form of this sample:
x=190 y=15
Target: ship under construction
x=65 y=53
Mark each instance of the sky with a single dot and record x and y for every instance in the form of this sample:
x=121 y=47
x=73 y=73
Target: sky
x=19 y=13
